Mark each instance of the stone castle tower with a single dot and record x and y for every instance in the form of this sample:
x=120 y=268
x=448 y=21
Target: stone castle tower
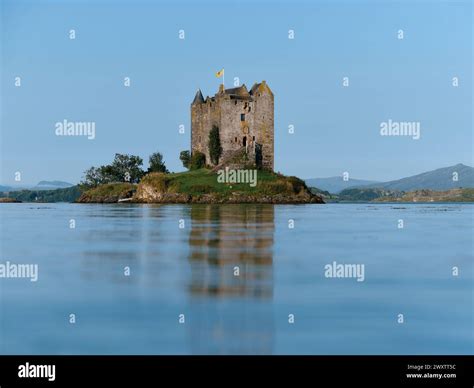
x=245 y=121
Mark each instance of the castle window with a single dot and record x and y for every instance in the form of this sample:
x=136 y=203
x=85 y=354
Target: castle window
x=253 y=138
x=199 y=138
x=235 y=102
x=242 y=117
x=236 y=139
x=245 y=141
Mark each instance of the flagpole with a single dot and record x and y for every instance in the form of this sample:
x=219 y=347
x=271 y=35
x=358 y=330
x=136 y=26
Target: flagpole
x=223 y=78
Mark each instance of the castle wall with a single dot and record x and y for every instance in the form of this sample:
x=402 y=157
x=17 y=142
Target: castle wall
x=232 y=128
x=203 y=117
x=264 y=127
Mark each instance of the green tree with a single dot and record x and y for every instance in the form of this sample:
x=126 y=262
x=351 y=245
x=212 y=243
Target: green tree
x=91 y=177
x=198 y=160
x=107 y=174
x=124 y=168
x=95 y=176
x=215 y=148
x=185 y=158
x=157 y=164
x=127 y=168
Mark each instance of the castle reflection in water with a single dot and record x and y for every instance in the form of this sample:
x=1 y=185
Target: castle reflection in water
x=231 y=314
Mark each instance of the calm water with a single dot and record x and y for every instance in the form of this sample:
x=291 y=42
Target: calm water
x=190 y=271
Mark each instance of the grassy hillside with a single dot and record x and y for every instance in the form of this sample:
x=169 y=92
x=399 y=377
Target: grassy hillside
x=204 y=181
x=108 y=193
x=202 y=186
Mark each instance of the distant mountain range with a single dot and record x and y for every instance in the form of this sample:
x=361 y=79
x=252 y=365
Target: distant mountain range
x=445 y=178
x=51 y=185
x=440 y=179
x=43 y=185
x=336 y=184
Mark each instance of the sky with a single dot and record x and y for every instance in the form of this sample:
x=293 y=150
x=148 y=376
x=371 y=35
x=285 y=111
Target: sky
x=336 y=127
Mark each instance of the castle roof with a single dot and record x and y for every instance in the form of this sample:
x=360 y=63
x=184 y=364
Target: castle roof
x=240 y=91
x=261 y=87
x=254 y=88
x=198 y=99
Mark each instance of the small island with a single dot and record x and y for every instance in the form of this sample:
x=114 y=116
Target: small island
x=230 y=161
x=202 y=186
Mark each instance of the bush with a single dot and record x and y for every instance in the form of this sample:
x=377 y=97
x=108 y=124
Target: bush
x=185 y=158
x=198 y=160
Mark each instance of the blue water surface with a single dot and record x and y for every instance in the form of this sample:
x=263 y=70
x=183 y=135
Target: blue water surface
x=235 y=275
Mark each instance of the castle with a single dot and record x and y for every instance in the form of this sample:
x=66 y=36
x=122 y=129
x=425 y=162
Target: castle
x=244 y=119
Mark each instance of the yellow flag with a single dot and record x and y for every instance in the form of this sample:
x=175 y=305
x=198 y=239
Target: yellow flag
x=220 y=73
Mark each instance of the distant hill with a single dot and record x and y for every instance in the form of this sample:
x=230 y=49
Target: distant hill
x=440 y=179
x=51 y=185
x=453 y=195
x=43 y=185
x=68 y=194
x=356 y=194
x=336 y=184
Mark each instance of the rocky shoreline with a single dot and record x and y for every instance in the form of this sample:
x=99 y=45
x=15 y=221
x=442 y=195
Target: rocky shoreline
x=235 y=198
x=9 y=200
x=181 y=198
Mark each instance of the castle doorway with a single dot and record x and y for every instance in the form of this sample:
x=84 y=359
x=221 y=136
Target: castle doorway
x=244 y=142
